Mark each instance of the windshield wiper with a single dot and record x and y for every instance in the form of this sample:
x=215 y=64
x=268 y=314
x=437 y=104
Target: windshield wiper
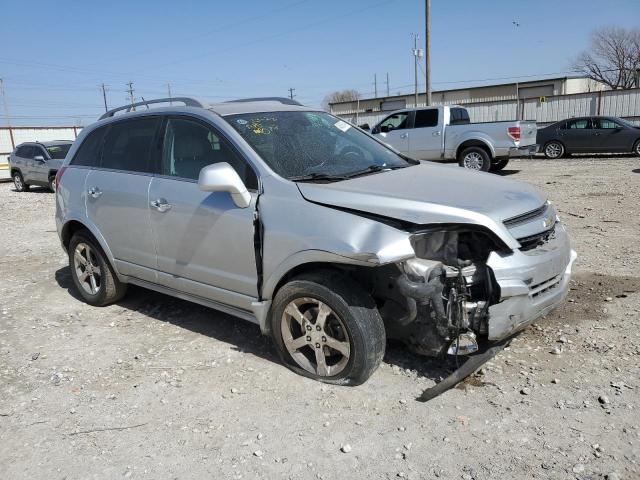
x=317 y=176
x=374 y=169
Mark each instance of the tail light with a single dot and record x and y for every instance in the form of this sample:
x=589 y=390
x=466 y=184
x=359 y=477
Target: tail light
x=59 y=174
x=514 y=132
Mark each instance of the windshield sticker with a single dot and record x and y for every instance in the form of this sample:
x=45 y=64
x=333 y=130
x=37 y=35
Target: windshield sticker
x=241 y=121
x=341 y=125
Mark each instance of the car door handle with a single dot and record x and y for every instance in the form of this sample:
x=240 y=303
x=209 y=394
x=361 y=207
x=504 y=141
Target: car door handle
x=161 y=205
x=404 y=135
x=94 y=192
x=436 y=134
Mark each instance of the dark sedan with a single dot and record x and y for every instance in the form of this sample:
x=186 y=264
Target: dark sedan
x=589 y=135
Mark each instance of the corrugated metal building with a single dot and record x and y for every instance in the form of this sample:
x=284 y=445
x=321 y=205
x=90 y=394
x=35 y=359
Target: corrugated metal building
x=487 y=93
x=10 y=137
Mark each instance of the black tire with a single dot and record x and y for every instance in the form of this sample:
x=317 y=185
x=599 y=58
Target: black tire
x=351 y=307
x=499 y=165
x=18 y=182
x=636 y=148
x=52 y=183
x=554 y=150
x=475 y=158
x=110 y=289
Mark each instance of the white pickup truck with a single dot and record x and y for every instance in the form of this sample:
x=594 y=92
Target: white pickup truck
x=445 y=133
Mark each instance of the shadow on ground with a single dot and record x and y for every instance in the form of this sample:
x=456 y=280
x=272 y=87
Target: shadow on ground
x=588 y=291
x=506 y=173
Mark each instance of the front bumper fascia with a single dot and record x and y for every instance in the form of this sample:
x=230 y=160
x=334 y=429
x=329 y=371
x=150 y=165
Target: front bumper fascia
x=532 y=284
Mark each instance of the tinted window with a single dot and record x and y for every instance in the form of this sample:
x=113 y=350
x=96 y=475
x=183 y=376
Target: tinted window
x=459 y=116
x=426 y=118
x=189 y=146
x=580 y=123
x=128 y=145
x=88 y=154
x=58 y=152
x=397 y=121
x=25 y=151
x=606 y=123
x=39 y=152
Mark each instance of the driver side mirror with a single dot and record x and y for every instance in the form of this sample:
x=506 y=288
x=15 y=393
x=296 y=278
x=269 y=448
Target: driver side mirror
x=386 y=128
x=221 y=177
x=365 y=126
x=39 y=158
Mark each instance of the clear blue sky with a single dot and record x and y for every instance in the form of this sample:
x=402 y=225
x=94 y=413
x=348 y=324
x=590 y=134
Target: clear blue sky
x=55 y=55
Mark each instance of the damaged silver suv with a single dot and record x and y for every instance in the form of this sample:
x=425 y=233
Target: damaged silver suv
x=304 y=224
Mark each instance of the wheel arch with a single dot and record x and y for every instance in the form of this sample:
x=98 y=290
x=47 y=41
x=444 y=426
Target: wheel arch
x=475 y=142
x=73 y=225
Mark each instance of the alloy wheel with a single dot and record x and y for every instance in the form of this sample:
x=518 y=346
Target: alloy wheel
x=87 y=268
x=315 y=337
x=553 y=150
x=473 y=160
x=17 y=181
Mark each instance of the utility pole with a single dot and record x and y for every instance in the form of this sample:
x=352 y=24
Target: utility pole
x=427 y=55
x=104 y=97
x=130 y=90
x=387 y=84
x=169 y=92
x=417 y=54
x=375 y=85
x=4 y=102
x=291 y=95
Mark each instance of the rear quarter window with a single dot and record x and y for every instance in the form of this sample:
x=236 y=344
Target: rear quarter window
x=88 y=155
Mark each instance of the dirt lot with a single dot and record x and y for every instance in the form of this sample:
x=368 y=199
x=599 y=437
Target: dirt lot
x=155 y=387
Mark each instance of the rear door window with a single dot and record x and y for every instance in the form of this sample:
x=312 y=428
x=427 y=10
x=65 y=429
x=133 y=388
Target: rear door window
x=25 y=151
x=579 y=124
x=426 y=118
x=606 y=123
x=88 y=155
x=128 y=145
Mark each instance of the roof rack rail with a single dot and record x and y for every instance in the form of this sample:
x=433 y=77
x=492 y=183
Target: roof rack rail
x=283 y=100
x=189 y=102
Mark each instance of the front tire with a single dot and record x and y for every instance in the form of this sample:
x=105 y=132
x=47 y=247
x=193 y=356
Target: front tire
x=475 y=158
x=18 y=182
x=92 y=274
x=327 y=328
x=636 y=148
x=554 y=150
x=52 y=183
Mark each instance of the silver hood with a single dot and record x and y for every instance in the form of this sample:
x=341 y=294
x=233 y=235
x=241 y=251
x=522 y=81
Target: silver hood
x=431 y=193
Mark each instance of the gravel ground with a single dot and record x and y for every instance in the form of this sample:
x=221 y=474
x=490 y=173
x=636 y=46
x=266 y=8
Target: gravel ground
x=155 y=387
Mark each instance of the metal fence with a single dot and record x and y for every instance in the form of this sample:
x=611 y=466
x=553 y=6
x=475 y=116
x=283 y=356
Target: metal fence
x=10 y=137
x=544 y=110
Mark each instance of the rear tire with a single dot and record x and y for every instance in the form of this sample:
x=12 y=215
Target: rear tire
x=91 y=271
x=52 y=183
x=475 y=158
x=554 y=150
x=636 y=148
x=318 y=311
x=18 y=182
x=499 y=165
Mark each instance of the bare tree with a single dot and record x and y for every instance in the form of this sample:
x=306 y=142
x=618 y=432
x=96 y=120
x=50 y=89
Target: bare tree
x=613 y=57
x=340 y=96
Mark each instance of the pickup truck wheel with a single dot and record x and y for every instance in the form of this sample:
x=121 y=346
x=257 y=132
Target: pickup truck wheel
x=18 y=182
x=553 y=150
x=92 y=274
x=499 y=165
x=475 y=158
x=327 y=328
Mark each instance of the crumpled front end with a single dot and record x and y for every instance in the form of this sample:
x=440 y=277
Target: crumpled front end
x=465 y=284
